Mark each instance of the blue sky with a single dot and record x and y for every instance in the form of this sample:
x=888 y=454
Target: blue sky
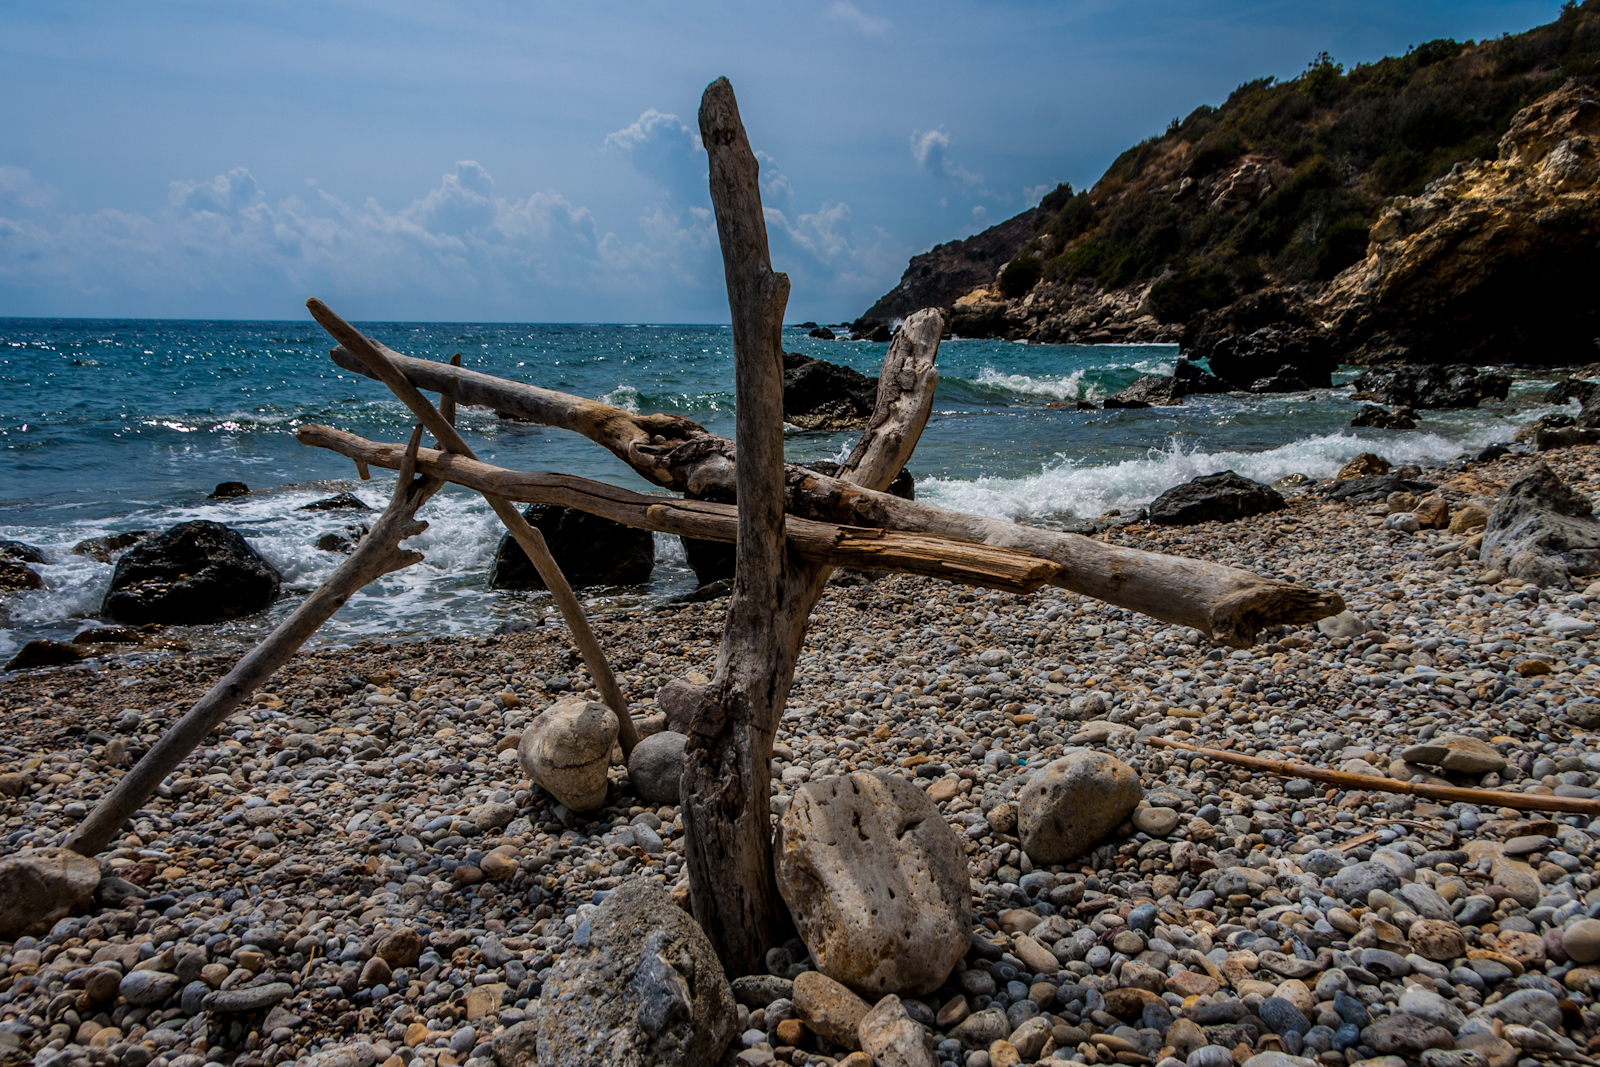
x=538 y=162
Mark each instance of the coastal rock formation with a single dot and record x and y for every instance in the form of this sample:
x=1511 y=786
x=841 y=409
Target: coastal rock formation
x=640 y=987
x=337 y=502
x=195 y=572
x=1220 y=497
x=1424 y=387
x=1165 y=390
x=1371 y=415
x=1489 y=264
x=590 y=550
x=1542 y=532
x=876 y=882
x=939 y=276
x=1070 y=804
x=1253 y=338
x=818 y=395
x=567 y=750
x=104 y=549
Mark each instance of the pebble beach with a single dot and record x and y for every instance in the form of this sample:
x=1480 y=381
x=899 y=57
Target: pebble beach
x=356 y=869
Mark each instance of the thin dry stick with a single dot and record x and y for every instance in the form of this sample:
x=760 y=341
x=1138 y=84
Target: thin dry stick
x=530 y=539
x=1449 y=793
x=377 y=554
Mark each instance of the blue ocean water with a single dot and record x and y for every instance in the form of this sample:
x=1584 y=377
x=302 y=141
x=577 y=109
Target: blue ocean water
x=110 y=425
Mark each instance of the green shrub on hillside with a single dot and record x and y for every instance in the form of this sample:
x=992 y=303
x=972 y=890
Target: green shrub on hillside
x=1352 y=138
x=1020 y=275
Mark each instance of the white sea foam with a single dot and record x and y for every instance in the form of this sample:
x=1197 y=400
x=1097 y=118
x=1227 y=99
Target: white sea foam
x=1068 y=490
x=1067 y=387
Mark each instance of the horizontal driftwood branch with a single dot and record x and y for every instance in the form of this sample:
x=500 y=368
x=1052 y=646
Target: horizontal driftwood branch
x=1230 y=604
x=818 y=542
x=1450 y=794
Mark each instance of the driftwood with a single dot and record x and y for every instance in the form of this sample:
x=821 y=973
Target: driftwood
x=375 y=359
x=377 y=554
x=864 y=548
x=1229 y=604
x=1450 y=794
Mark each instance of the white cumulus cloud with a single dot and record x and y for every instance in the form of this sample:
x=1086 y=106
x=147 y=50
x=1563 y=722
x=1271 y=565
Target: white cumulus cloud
x=858 y=20
x=931 y=151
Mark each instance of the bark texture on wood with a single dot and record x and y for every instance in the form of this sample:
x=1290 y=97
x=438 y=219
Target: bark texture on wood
x=1230 y=604
x=375 y=358
x=1450 y=794
x=727 y=827
x=865 y=548
x=376 y=555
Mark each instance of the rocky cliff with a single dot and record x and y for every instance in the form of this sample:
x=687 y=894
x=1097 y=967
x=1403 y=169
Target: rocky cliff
x=1436 y=207
x=939 y=276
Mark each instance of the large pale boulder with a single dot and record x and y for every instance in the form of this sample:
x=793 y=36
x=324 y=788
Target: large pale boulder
x=567 y=749
x=640 y=985
x=1072 y=803
x=40 y=886
x=877 y=883
x=1542 y=531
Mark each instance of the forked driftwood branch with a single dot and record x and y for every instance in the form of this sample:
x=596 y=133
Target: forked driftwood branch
x=376 y=555
x=1229 y=604
x=1450 y=794
x=376 y=360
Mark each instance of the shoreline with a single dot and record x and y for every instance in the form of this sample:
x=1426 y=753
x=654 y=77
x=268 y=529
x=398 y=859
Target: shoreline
x=375 y=787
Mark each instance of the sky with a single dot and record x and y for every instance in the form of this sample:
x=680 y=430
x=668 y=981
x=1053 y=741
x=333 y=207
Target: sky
x=535 y=162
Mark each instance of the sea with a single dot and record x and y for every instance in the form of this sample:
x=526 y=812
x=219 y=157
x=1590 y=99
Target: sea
x=108 y=426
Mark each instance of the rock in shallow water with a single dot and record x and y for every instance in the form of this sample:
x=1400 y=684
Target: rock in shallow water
x=195 y=572
x=645 y=988
x=1219 y=497
x=876 y=881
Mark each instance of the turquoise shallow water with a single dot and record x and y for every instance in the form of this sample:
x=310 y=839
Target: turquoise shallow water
x=110 y=425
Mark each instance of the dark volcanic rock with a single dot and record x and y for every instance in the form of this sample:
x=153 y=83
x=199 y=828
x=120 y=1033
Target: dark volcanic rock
x=588 y=549
x=877 y=333
x=1255 y=337
x=14 y=575
x=339 y=502
x=944 y=273
x=819 y=395
x=44 y=653
x=711 y=561
x=1371 y=415
x=1165 y=390
x=822 y=333
x=1572 y=389
x=1372 y=487
x=195 y=572
x=229 y=491
x=19 y=552
x=1287 y=380
x=1418 y=387
x=102 y=548
x=1214 y=498
x=1542 y=531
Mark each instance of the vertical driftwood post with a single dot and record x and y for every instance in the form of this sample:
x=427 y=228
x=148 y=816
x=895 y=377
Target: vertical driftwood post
x=726 y=765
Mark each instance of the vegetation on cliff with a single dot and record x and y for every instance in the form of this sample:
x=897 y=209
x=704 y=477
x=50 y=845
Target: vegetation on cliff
x=1281 y=183
x=1279 y=186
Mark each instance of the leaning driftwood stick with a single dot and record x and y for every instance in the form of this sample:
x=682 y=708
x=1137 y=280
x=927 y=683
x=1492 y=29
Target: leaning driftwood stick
x=1449 y=793
x=377 y=554
x=1229 y=604
x=375 y=358
x=864 y=548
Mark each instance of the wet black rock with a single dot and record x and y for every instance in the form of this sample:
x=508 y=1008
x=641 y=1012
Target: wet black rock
x=195 y=572
x=822 y=333
x=1371 y=415
x=1255 y=337
x=229 y=491
x=819 y=395
x=589 y=550
x=103 y=548
x=19 y=552
x=44 y=653
x=1214 y=498
x=1421 y=387
x=338 y=502
x=1286 y=380
x=1165 y=390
